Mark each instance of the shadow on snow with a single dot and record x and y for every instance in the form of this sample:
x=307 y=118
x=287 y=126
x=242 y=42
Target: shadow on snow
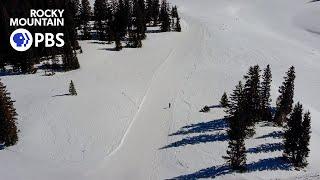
x=202 y=127
x=269 y=147
x=276 y=163
x=198 y=139
x=274 y=134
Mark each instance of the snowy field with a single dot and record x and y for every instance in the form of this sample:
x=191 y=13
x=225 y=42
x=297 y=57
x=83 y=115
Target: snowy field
x=120 y=127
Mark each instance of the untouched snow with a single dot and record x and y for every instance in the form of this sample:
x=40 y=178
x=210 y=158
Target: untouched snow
x=120 y=127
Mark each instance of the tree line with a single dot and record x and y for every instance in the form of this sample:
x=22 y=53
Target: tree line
x=249 y=103
x=127 y=20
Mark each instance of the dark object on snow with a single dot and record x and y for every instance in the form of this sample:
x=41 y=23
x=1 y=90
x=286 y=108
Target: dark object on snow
x=8 y=117
x=72 y=89
x=224 y=102
x=169 y=105
x=205 y=109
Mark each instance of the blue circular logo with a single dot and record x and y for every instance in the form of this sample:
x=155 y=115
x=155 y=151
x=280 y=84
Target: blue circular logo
x=21 y=40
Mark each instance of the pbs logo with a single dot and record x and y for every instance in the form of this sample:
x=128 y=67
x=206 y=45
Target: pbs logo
x=21 y=40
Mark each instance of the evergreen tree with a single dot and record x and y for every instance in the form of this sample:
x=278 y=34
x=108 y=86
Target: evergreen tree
x=108 y=22
x=265 y=94
x=155 y=11
x=69 y=58
x=85 y=17
x=73 y=7
x=292 y=135
x=100 y=12
x=285 y=100
x=175 y=19
x=305 y=139
x=178 y=26
x=252 y=89
x=8 y=129
x=139 y=20
x=224 y=102
x=72 y=20
x=237 y=127
x=164 y=17
x=119 y=25
x=72 y=89
x=149 y=9
x=174 y=12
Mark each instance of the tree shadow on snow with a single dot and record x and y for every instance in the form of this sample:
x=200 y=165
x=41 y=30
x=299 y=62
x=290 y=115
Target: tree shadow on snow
x=108 y=49
x=205 y=138
x=66 y=94
x=275 y=163
x=269 y=164
x=153 y=31
x=215 y=106
x=211 y=172
x=5 y=73
x=218 y=124
x=274 y=134
x=269 y=147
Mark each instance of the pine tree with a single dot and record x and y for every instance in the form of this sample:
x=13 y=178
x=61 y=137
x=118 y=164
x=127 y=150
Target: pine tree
x=236 y=103
x=72 y=89
x=155 y=11
x=265 y=94
x=73 y=7
x=119 y=24
x=69 y=58
x=236 y=132
x=8 y=129
x=175 y=19
x=292 y=134
x=252 y=88
x=178 y=26
x=224 y=102
x=305 y=139
x=236 y=153
x=109 y=22
x=149 y=4
x=139 y=20
x=85 y=17
x=164 y=17
x=285 y=100
x=100 y=12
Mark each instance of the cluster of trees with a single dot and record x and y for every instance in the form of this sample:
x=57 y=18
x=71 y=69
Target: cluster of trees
x=23 y=62
x=249 y=103
x=127 y=20
x=8 y=128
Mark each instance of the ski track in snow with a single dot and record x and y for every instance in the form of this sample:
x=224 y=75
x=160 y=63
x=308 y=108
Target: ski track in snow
x=137 y=113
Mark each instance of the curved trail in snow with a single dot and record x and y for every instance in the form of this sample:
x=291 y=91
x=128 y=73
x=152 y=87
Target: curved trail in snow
x=139 y=108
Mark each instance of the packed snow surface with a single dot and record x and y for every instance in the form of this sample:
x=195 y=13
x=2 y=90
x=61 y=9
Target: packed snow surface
x=120 y=127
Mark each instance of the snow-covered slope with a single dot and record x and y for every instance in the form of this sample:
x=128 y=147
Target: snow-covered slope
x=119 y=126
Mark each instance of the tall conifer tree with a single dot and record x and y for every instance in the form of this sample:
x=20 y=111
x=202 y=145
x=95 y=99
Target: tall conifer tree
x=285 y=100
x=236 y=119
x=265 y=94
x=8 y=129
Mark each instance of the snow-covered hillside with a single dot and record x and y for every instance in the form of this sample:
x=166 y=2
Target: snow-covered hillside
x=120 y=127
